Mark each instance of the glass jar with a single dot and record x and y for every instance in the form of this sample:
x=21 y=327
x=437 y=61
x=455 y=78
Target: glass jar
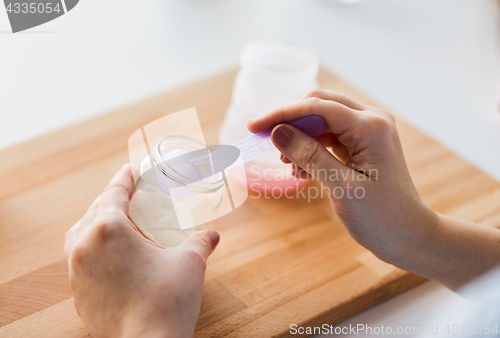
x=171 y=201
x=272 y=73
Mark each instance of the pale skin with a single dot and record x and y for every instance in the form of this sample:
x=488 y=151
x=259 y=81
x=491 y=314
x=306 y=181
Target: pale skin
x=390 y=220
x=127 y=286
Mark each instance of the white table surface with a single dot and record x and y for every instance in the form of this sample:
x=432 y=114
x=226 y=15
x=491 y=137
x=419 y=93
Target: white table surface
x=435 y=63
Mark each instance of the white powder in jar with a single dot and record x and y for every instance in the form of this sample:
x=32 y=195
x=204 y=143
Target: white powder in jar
x=154 y=215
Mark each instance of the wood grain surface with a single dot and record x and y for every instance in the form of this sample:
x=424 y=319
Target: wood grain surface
x=280 y=262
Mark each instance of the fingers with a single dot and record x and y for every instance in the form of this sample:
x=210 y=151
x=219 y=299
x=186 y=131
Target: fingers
x=339 y=118
x=284 y=159
x=89 y=216
x=73 y=233
x=70 y=238
x=329 y=140
x=116 y=195
x=307 y=153
x=298 y=172
x=325 y=94
x=203 y=242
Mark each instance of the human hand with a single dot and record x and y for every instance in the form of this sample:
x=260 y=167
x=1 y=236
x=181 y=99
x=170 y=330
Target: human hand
x=125 y=285
x=366 y=177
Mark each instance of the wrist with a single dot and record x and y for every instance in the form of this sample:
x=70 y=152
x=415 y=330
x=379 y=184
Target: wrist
x=413 y=249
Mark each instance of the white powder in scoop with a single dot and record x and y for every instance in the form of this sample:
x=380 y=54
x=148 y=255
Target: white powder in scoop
x=154 y=214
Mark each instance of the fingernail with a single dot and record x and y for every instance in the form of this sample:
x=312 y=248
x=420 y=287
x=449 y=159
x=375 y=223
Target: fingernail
x=214 y=237
x=282 y=136
x=281 y=156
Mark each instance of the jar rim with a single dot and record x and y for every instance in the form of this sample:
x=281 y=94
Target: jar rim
x=189 y=144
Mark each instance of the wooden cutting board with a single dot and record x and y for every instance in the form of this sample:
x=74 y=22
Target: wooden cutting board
x=280 y=262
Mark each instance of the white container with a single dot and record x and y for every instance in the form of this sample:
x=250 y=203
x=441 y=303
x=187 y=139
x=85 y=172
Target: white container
x=167 y=206
x=272 y=73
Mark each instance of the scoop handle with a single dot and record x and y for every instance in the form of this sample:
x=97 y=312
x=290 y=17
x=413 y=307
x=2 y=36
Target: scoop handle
x=312 y=125
x=259 y=144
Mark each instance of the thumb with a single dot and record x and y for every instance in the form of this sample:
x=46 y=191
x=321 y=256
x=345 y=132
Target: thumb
x=203 y=242
x=307 y=153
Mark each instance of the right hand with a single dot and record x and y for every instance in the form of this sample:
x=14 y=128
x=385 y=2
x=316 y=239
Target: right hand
x=366 y=176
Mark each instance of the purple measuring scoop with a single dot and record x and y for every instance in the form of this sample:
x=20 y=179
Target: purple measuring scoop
x=260 y=143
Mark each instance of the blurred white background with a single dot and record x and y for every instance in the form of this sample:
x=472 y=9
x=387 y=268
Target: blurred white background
x=435 y=63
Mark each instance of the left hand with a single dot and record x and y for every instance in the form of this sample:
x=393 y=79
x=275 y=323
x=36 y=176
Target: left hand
x=125 y=285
